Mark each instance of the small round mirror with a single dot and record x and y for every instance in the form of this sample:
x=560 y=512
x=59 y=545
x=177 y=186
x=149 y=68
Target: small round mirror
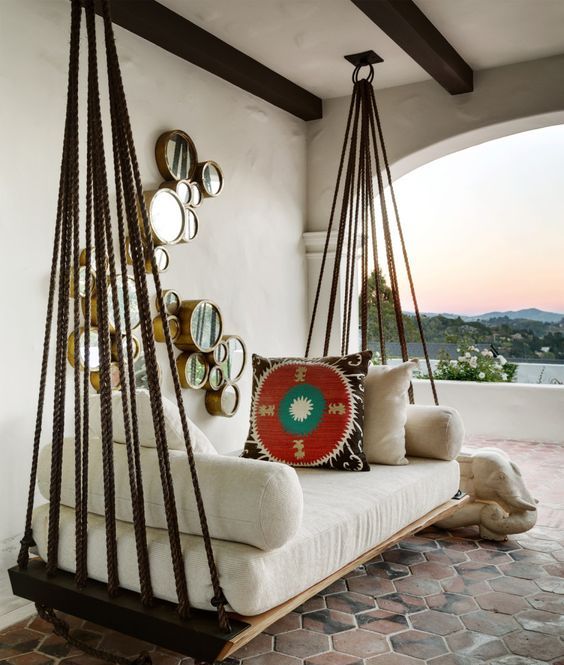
x=135 y=347
x=158 y=328
x=115 y=378
x=223 y=402
x=196 y=195
x=210 y=178
x=216 y=378
x=192 y=370
x=220 y=353
x=166 y=216
x=162 y=258
x=191 y=226
x=205 y=326
x=184 y=191
x=93 y=351
x=236 y=358
x=176 y=155
x=131 y=295
x=171 y=301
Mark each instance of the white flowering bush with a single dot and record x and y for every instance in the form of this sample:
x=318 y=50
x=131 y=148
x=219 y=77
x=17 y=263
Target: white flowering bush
x=474 y=365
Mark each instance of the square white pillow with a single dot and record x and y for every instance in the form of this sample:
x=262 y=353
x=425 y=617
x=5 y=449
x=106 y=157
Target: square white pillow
x=385 y=412
x=173 y=425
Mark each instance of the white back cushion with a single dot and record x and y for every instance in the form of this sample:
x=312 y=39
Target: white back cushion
x=246 y=501
x=173 y=425
x=385 y=412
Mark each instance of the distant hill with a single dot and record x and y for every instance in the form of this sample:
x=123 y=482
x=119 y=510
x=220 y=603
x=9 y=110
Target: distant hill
x=531 y=314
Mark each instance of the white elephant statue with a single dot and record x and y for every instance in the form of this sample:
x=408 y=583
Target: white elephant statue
x=500 y=502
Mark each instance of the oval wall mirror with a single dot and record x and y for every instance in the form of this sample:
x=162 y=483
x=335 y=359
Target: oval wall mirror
x=158 y=328
x=200 y=326
x=216 y=378
x=176 y=155
x=191 y=226
x=223 y=402
x=236 y=358
x=171 y=301
x=210 y=178
x=166 y=216
x=195 y=195
x=93 y=353
x=162 y=260
x=192 y=370
x=131 y=295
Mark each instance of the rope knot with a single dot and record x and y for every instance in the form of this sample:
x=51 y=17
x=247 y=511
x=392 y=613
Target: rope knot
x=219 y=599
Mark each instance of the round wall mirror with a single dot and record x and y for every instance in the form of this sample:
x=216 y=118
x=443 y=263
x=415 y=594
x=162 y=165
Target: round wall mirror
x=184 y=191
x=115 y=378
x=216 y=378
x=171 y=301
x=176 y=155
x=200 y=326
x=223 y=402
x=131 y=295
x=236 y=358
x=162 y=259
x=219 y=354
x=166 y=216
x=158 y=328
x=136 y=347
x=191 y=226
x=192 y=370
x=196 y=195
x=210 y=178
x=93 y=353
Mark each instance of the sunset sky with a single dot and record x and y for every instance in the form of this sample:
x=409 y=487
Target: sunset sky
x=485 y=226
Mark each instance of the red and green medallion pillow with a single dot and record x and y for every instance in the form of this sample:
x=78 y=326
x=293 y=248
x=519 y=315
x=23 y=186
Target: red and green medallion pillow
x=309 y=411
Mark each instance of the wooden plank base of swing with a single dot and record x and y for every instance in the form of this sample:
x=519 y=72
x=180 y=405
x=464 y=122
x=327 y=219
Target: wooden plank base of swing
x=199 y=636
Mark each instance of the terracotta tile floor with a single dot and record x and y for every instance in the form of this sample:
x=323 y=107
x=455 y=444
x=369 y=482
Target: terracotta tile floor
x=440 y=598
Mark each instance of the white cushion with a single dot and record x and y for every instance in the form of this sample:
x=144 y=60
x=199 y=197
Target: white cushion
x=173 y=425
x=385 y=412
x=247 y=501
x=433 y=431
x=345 y=514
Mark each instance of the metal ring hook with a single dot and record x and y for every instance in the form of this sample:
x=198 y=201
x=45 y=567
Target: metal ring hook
x=357 y=69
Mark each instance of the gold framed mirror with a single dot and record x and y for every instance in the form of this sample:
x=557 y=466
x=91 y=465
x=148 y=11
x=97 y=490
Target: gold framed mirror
x=115 y=378
x=191 y=225
x=158 y=328
x=200 y=326
x=210 y=178
x=171 y=301
x=134 y=342
x=162 y=260
x=223 y=402
x=219 y=355
x=131 y=294
x=176 y=155
x=94 y=351
x=196 y=196
x=216 y=378
x=166 y=216
x=193 y=370
x=236 y=359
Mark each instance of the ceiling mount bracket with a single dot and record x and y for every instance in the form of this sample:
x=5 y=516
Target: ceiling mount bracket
x=364 y=58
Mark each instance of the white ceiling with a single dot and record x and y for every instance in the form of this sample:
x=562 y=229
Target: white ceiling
x=305 y=40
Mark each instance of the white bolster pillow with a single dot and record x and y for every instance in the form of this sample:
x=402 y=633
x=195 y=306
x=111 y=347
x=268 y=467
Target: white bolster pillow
x=246 y=501
x=433 y=431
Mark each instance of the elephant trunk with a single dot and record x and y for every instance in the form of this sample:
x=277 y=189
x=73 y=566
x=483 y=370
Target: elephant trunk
x=496 y=524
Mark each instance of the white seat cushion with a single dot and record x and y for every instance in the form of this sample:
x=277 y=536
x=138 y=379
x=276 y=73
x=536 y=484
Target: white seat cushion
x=344 y=516
x=173 y=424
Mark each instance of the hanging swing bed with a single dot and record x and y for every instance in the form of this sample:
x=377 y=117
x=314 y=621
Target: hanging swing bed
x=202 y=634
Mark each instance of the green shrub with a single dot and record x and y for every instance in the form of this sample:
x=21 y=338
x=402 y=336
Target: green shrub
x=474 y=365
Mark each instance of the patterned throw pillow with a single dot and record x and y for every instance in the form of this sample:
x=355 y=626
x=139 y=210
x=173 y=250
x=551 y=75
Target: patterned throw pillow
x=309 y=411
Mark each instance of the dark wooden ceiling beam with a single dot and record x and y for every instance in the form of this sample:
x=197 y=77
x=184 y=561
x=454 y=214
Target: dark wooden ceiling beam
x=405 y=23
x=172 y=32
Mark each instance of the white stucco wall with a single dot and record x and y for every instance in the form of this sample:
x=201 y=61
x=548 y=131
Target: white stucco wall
x=422 y=122
x=248 y=256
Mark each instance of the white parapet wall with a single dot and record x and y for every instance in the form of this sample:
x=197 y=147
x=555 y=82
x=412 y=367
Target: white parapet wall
x=518 y=411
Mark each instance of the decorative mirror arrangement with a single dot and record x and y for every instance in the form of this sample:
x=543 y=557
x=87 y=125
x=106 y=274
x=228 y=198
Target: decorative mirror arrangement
x=210 y=360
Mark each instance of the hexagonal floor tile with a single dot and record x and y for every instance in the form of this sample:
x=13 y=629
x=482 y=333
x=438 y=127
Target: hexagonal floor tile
x=387 y=569
x=446 y=557
x=552 y=584
x=336 y=587
x=555 y=569
x=500 y=546
x=417 y=586
x=475 y=570
x=418 y=544
x=464 y=585
x=550 y=602
x=381 y=621
x=493 y=557
x=291 y=621
x=259 y=645
x=490 y=623
x=361 y=643
x=527 y=571
x=542 y=622
x=458 y=544
x=534 y=645
x=302 y=643
x=370 y=585
x=506 y=603
x=432 y=570
x=393 y=659
x=451 y=603
x=514 y=585
x=334 y=658
x=401 y=603
x=476 y=645
x=405 y=557
x=311 y=605
x=435 y=622
x=271 y=658
x=328 y=622
x=418 y=644
x=350 y=601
